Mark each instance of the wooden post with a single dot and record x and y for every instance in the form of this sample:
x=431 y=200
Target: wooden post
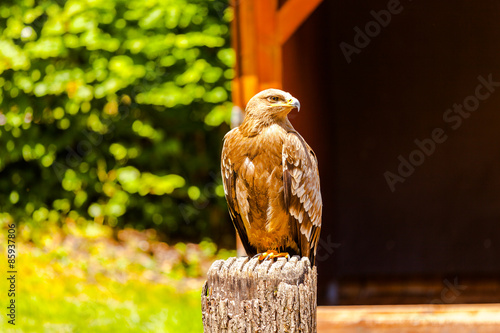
x=242 y=295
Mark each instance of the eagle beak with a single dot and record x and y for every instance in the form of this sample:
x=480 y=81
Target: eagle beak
x=294 y=103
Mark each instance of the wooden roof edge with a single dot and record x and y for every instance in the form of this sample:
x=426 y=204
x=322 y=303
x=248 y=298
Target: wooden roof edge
x=291 y=16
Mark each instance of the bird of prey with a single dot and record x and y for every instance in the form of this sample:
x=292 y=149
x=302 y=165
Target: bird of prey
x=271 y=180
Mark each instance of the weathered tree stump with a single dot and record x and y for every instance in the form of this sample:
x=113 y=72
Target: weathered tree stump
x=242 y=295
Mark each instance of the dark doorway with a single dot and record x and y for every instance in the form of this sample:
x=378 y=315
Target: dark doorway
x=395 y=106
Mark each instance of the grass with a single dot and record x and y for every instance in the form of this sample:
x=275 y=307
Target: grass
x=76 y=283
x=105 y=307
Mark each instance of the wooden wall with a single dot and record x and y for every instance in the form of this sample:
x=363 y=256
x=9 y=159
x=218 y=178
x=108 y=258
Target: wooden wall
x=443 y=221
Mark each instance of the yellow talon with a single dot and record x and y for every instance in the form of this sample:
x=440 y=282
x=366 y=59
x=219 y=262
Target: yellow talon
x=271 y=254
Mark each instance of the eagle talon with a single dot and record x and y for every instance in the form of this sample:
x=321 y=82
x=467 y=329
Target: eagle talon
x=272 y=254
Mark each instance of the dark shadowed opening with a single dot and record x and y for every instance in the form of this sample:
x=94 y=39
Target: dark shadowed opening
x=439 y=221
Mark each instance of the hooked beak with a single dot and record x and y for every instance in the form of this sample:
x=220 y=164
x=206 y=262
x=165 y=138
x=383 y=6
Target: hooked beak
x=293 y=102
x=290 y=103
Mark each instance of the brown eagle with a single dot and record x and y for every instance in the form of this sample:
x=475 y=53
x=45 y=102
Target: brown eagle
x=271 y=180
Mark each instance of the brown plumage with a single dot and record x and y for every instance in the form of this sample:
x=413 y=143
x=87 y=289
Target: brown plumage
x=271 y=179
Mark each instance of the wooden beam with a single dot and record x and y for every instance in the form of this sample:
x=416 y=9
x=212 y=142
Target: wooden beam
x=258 y=52
x=268 y=46
x=259 y=31
x=428 y=318
x=245 y=43
x=292 y=15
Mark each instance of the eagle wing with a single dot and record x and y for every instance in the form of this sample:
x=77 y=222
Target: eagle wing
x=301 y=187
x=236 y=194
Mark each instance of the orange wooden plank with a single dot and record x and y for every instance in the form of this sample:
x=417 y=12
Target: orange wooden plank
x=268 y=46
x=426 y=318
x=258 y=50
x=292 y=15
x=247 y=51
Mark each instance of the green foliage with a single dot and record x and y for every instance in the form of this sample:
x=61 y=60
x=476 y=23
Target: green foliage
x=114 y=111
x=131 y=308
x=81 y=280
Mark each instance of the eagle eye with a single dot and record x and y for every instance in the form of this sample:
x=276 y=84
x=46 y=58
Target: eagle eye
x=274 y=98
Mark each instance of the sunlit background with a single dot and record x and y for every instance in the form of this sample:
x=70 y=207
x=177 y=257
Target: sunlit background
x=112 y=115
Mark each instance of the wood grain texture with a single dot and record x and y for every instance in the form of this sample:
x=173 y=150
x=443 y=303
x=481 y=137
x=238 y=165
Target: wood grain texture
x=242 y=295
x=428 y=318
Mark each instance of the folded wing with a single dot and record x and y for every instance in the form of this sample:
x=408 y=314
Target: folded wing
x=302 y=193
x=237 y=200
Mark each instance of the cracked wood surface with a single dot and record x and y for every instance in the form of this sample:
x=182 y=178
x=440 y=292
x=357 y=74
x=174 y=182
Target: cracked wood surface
x=245 y=295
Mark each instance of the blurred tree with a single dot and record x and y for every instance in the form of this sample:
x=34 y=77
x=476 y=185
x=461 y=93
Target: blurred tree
x=114 y=111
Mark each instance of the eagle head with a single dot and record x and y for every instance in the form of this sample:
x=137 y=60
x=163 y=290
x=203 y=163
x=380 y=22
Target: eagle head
x=272 y=103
